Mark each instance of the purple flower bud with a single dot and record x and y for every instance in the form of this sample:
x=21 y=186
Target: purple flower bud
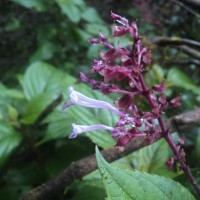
x=77 y=98
x=134 y=30
x=170 y=163
x=162 y=99
x=181 y=140
x=79 y=129
x=126 y=60
x=120 y=30
x=122 y=141
x=159 y=87
x=124 y=102
x=109 y=55
x=103 y=37
x=175 y=102
x=146 y=58
x=94 y=41
x=84 y=78
x=118 y=18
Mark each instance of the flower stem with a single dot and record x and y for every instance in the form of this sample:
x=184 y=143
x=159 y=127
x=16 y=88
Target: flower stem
x=169 y=140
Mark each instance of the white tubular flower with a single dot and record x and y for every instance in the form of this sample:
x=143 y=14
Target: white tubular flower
x=79 y=129
x=77 y=98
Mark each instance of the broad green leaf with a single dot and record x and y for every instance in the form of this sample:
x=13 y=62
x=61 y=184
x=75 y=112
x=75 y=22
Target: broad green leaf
x=37 y=4
x=44 y=52
x=41 y=77
x=59 y=126
x=180 y=79
x=9 y=140
x=129 y=185
x=150 y=158
x=70 y=8
x=35 y=106
x=91 y=15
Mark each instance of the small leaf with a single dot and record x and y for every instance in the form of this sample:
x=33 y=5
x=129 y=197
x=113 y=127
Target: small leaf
x=37 y=4
x=150 y=158
x=35 y=107
x=41 y=77
x=9 y=140
x=44 y=52
x=91 y=15
x=180 y=79
x=70 y=8
x=128 y=185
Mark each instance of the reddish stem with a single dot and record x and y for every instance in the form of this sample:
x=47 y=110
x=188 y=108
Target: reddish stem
x=166 y=135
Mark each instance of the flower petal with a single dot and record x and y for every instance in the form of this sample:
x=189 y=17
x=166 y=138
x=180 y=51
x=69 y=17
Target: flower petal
x=79 y=129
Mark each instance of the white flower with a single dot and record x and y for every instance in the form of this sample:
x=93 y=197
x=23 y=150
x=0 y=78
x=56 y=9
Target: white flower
x=79 y=129
x=77 y=98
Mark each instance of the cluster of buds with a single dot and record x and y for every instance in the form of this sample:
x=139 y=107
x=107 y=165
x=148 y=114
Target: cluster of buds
x=179 y=156
x=117 y=66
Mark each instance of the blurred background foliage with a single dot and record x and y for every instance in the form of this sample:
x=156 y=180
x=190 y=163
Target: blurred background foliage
x=43 y=47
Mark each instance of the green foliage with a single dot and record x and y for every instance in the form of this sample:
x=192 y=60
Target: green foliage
x=9 y=140
x=71 y=9
x=124 y=184
x=41 y=78
x=151 y=158
x=37 y=4
x=178 y=78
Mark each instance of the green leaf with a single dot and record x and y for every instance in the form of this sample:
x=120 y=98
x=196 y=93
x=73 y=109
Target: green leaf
x=41 y=77
x=12 y=113
x=59 y=126
x=35 y=107
x=37 y=4
x=69 y=7
x=91 y=15
x=150 y=158
x=9 y=140
x=180 y=79
x=128 y=185
x=44 y=52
